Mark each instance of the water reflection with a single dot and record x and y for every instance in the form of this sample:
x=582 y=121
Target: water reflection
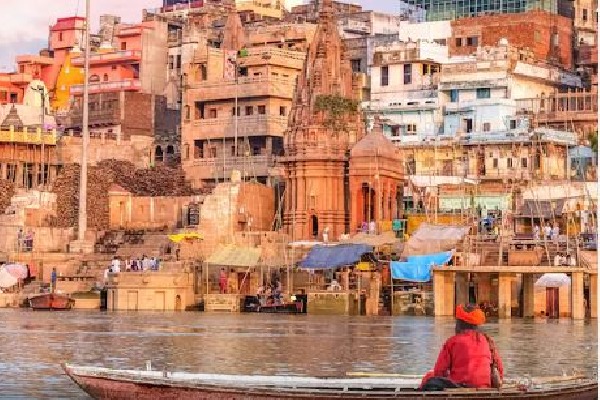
x=33 y=345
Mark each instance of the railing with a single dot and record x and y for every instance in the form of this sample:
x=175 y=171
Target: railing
x=96 y=117
x=12 y=136
x=222 y=167
x=113 y=56
x=250 y=125
x=247 y=87
x=108 y=86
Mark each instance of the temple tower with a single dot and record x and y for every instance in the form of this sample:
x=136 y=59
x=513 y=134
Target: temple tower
x=325 y=122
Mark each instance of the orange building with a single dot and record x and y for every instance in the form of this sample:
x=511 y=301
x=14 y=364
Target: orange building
x=375 y=180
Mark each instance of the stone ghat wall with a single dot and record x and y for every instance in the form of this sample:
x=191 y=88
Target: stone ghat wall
x=152 y=182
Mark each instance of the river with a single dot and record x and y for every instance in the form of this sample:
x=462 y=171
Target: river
x=33 y=344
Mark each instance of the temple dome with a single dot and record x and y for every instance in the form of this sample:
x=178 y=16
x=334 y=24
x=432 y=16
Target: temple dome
x=375 y=143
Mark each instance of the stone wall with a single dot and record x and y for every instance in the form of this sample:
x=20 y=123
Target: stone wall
x=136 y=149
x=532 y=29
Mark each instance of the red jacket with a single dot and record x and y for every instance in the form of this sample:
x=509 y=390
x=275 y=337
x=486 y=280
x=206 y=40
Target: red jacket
x=466 y=358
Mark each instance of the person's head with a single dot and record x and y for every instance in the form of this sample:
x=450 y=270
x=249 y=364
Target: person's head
x=468 y=317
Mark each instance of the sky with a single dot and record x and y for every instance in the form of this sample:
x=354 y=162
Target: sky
x=24 y=23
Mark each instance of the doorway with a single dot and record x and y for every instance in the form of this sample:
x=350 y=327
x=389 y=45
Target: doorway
x=552 y=310
x=243 y=279
x=314 y=226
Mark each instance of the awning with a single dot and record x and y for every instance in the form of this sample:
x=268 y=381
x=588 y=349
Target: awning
x=553 y=280
x=19 y=271
x=6 y=279
x=326 y=257
x=234 y=256
x=418 y=268
x=542 y=209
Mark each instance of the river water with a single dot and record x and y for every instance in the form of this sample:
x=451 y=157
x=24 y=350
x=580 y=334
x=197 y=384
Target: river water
x=33 y=344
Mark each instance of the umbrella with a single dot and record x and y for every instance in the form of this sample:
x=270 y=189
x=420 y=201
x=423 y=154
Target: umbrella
x=17 y=270
x=6 y=279
x=553 y=280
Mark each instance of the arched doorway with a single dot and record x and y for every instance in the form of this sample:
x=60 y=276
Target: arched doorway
x=314 y=225
x=158 y=154
x=170 y=151
x=368 y=201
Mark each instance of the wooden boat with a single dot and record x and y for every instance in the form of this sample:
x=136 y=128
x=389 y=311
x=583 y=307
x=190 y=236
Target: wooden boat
x=51 y=301
x=105 y=383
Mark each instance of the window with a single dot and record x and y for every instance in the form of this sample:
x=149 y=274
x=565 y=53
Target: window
x=458 y=42
x=555 y=39
x=585 y=15
x=495 y=163
x=524 y=162
x=105 y=78
x=60 y=38
x=233 y=111
x=468 y=125
x=483 y=93
x=486 y=127
x=407 y=74
x=513 y=124
x=198 y=149
x=170 y=62
x=123 y=46
x=249 y=110
x=395 y=130
x=509 y=162
x=262 y=110
x=472 y=41
x=212 y=152
x=187 y=112
x=114 y=67
x=425 y=69
x=233 y=151
x=179 y=61
x=282 y=111
x=243 y=71
x=454 y=96
x=441 y=42
x=384 y=76
x=199 y=110
x=203 y=72
x=212 y=113
x=355 y=64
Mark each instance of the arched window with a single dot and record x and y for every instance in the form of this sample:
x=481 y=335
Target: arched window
x=170 y=150
x=158 y=154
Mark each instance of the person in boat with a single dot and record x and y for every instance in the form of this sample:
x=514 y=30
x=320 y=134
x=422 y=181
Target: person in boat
x=467 y=359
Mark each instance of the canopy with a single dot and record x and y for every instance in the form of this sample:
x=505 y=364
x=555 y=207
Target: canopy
x=386 y=238
x=17 y=270
x=428 y=238
x=553 y=280
x=185 y=236
x=234 y=256
x=418 y=268
x=327 y=257
x=6 y=279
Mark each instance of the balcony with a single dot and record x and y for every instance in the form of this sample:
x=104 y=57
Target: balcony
x=246 y=87
x=96 y=118
x=24 y=137
x=20 y=78
x=132 y=85
x=470 y=105
x=127 y=56
x=219 y=168
x=248 y=126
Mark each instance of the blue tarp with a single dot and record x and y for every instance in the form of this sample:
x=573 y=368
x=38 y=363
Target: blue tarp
x=326 y=257
x=418 y=268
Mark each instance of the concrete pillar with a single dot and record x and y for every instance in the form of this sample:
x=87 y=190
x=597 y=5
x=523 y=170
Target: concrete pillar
x=593 y=296
x=528 y=295
x=19 y=175
x=3 y=170
x=504 y=295
x=577 y=311
x=443 y=293
x=462 y=287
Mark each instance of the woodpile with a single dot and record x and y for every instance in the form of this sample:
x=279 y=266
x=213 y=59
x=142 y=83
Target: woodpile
x=153 y=182
x=7 y=191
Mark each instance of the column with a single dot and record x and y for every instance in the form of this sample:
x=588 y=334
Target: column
x=443 y=293
x=3 y=170
x=269 y=146
x=577 y=311
x=528 y=296
x=462 y=287
x=593 y=296
x=504 y=295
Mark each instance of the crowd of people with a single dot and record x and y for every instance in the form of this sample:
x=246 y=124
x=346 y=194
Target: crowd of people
x=24 y=240
x=549 y=232
x=142 y=263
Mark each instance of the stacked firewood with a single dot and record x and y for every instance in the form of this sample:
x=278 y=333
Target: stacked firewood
x=156 y=181
x=7 y=190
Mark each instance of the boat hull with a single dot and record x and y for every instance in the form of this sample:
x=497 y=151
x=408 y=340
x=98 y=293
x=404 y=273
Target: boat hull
x=126 y=388
x=51 y=301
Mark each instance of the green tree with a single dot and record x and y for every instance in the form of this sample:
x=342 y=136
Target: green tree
x=336 y=108
x=594 y=141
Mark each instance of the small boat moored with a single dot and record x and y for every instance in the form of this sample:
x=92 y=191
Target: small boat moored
x=105 y=383
x=51 y=301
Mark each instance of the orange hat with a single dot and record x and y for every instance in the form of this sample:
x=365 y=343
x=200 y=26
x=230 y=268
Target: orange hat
x=470 y=314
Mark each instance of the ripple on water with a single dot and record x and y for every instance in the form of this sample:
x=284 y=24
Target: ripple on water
x=33 y=345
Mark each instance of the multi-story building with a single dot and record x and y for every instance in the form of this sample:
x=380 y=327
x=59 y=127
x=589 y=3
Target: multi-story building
x=404 y=89
x=585 y=24
x=446 y=10
x=479 y=93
